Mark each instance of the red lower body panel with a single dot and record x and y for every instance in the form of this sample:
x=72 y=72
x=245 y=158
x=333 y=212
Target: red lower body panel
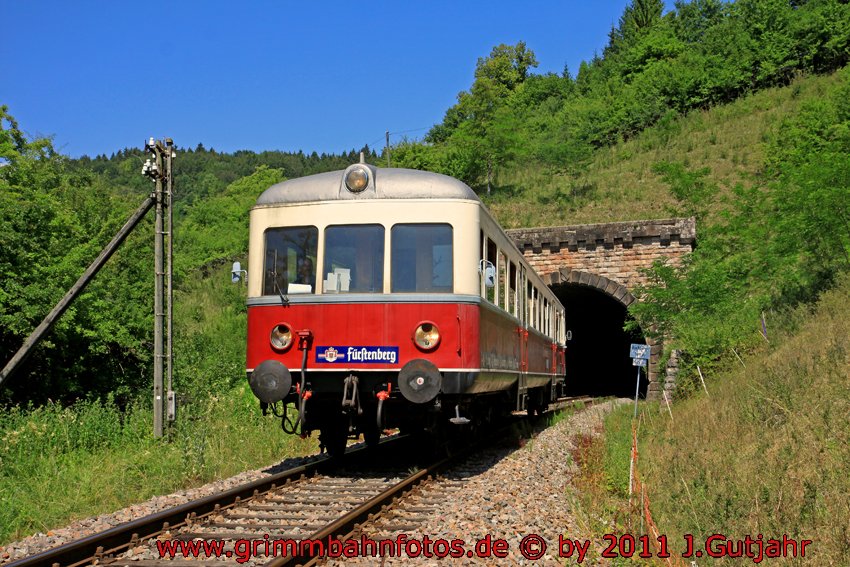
x=373 y=330
x=480 y=350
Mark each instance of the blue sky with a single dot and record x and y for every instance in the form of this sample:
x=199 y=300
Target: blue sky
x=323 y=76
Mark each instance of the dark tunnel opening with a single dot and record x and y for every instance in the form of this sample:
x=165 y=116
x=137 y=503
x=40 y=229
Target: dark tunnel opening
x=598 y=362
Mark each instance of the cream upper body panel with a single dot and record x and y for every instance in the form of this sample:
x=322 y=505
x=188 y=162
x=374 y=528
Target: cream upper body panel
x=461 y=215
x=387 y=197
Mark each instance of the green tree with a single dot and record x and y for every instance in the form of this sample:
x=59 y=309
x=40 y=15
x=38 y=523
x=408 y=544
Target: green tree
x=475 y=125
x=637 y=17
x=692 y=19
x=53 y=221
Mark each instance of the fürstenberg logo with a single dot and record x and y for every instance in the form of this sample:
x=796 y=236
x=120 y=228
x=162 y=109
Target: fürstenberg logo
x=357 y=354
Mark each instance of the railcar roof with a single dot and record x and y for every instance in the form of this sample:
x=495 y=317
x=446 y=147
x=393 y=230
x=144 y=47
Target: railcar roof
x=386 y=183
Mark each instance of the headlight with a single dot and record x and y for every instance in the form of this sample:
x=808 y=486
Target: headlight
x=426 y=336
x=357 y=179
x=281 y=337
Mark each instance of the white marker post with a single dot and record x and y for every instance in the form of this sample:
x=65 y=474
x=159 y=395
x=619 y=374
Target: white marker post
x=701 y=379
x=664 y=393
x=640 y=356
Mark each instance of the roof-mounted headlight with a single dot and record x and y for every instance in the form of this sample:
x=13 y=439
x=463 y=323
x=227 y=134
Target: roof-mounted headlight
x=357 y=179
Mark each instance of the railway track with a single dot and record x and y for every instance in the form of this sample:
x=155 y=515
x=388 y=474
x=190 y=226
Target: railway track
x=321 y=500
x=415 y=508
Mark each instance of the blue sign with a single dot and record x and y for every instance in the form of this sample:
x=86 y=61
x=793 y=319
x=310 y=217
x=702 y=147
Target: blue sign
x=638 y=362
x=357 y=354
x=640 y=351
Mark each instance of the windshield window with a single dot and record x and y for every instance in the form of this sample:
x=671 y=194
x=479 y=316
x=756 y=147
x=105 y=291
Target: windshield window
x=354 y=259
x=290 y=265
x=422 y=258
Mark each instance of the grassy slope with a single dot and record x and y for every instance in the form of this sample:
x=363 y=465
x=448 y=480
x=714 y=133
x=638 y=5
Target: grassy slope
x=768 y=452
x=620 y=184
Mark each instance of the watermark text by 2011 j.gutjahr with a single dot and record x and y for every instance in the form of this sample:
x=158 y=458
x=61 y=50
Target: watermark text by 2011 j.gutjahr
x=755 y=548
x=532 y=546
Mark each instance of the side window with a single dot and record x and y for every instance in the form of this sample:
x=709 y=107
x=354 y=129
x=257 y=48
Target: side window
x=492 y=258
x=482 y=255
x=512 y=289
x=290 y=262
x=538 y=309
x=523 y=303
x=422 y=259
x=553 y=321
x=354 y=259
x=535 y=309
x=557 y=328
x=503 y=280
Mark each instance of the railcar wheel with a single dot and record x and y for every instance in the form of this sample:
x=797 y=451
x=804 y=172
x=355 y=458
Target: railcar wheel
x=371 y=436
x=536 y=404
x=334 y=439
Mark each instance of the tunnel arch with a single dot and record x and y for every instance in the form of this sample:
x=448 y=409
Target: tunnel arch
x=597 y=356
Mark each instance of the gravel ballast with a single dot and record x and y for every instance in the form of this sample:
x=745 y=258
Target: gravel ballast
x=521 y=492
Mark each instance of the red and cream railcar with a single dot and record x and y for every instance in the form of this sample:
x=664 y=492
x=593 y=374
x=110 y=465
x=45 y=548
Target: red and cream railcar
x=382 y=298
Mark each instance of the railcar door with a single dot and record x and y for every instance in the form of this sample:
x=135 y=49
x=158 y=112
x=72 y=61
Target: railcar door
x=523 y=328
x=523 y=315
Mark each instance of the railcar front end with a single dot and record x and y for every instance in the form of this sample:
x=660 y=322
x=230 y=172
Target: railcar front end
x=367 y=307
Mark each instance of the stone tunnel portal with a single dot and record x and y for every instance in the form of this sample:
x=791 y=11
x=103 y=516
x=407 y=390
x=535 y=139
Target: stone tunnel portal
x=598 y=362
x=591 y=268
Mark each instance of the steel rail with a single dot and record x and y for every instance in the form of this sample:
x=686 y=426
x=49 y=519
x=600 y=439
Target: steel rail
x=346 y=523
x=82 y=551
x=106 y=542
